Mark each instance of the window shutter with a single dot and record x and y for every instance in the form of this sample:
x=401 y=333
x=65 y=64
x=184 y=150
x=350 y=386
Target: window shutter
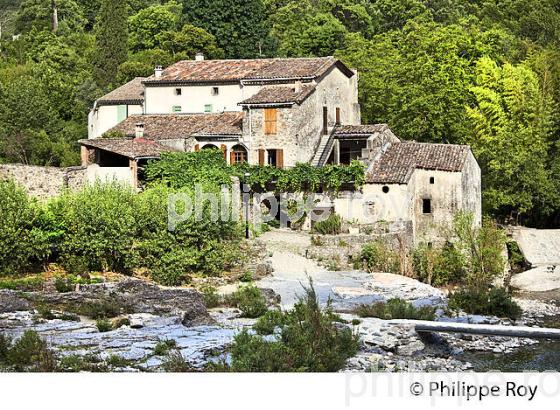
x=270 y=121
x=337 y=116
x=280 y=158
x=261 y=157
x=197 y=148
x=232 y=157
x=224 y=150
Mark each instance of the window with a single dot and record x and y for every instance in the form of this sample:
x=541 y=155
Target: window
x=208 y=108
x=122 y=113
x=325 y=120
x=338 y=122
x=385 y=189
x=215 y=91
x=275 y=158
x=426 y=206
x=178 y=91
x=270 y=121
x=177 y=108
x=432 y=180
x=238 y=155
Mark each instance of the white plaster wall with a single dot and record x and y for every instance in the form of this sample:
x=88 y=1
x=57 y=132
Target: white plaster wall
x=472 y=189
x=105 y=117
x=373 y=205
x=123 y=175
x=446 y=195
x=193 y=98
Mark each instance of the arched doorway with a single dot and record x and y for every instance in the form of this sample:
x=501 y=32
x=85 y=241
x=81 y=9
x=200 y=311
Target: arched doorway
x=210 y=146
x=238 y=154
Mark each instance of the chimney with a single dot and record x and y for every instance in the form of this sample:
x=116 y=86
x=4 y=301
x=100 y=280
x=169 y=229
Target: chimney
x=139 y=133
x=199 y=57
x=158 y=71
x=297 y=87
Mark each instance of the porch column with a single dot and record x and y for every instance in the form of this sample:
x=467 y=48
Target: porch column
x=134 y=171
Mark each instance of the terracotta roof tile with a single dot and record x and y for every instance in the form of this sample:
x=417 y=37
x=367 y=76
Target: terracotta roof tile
x=159 y=127
x=280 y=95
x=128 y=147
x=236 y=70
x=131 y=92
x=397 y=164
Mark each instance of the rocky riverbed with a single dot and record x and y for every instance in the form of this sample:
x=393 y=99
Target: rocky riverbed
x=151 y=315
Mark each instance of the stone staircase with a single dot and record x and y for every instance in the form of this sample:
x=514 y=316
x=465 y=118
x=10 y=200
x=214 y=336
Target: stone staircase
x=324 y=149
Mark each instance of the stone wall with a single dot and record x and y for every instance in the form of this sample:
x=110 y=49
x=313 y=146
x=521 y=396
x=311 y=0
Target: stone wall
x=44 y=182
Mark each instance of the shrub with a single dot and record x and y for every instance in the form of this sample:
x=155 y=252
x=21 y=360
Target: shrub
x=396 y=309
x=26 y=284
x=269 y=322
x=308 y=340
x=438 y=267
x=211 y=297
x=330 y=226
x=378 y=257
x=88 y=363
x=250 y=300
x=495 y=302
x=175 y=363
x=99 y=227
x=63 y=285
x=100 y=310
x=22 y=242
x=117 y=361
x=103 y=325
x=163 y=347
x=31 y=353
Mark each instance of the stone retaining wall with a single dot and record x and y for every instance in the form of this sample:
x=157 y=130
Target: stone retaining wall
x=44 y=182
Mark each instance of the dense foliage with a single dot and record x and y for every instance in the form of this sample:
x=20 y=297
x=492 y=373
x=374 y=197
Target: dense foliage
x=306 y=339
x=110 y=228
x=179 y=170
x=480 y=72
x=396 y=309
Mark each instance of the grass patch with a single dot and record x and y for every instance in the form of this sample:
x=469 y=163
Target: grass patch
x=25 y=284
x=104 y=325
x=174 y=362
x=164 y=347
x=396 y=309
x=211 y=297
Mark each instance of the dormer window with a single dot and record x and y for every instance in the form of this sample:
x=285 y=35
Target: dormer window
x=215 y=91
x=178 y=91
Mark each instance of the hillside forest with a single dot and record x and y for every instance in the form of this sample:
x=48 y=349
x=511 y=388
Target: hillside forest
x=478 y=72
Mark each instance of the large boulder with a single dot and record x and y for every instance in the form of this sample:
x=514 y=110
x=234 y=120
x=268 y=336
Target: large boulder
x=12 y=302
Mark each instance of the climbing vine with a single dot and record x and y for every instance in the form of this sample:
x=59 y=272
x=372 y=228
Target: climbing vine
x=209 y=167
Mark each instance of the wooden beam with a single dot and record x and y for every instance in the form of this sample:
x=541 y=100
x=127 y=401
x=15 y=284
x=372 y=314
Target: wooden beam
x=486 y=330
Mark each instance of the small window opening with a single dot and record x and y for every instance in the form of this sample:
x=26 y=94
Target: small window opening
x=176 y=108
x=385 y=189
x=427 y=206
x=178 y=91
x=432 y=180
x=215 y=91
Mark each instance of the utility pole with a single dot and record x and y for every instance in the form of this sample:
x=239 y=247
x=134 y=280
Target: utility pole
x=54 y=16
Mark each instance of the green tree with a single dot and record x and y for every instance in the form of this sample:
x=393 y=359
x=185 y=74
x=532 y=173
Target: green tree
x=239 y=26
x=190 y=41
x=511 y=122
x=111 y=41
x=147 y=24
x=38 y=14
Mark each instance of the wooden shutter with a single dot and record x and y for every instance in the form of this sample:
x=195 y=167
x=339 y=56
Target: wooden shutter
x=325 y=120
x=224 y=151
x=337 y=116
x=232 y=157
x=261 y=157
x=197 y=148
x=270 y=121
x=280 y=158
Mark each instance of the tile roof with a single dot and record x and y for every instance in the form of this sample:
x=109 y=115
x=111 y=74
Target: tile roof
x=171 y=126
x=236 y=70
x=344 y=130
x=132 y=93
x=280 y=95
x=129 y=147
x=397 y=164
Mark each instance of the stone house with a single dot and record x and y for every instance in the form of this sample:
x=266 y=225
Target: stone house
x=280 y=112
